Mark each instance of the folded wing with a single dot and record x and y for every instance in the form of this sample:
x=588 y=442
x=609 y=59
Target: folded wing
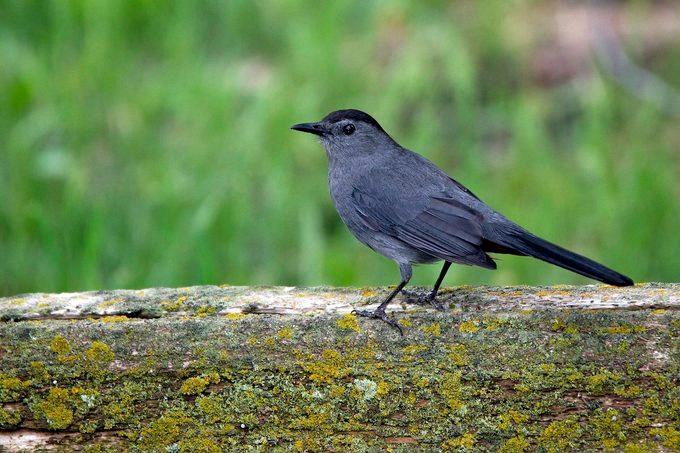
x=437 y=224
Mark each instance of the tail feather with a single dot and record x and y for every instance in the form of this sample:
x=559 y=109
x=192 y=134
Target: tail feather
x=525 y=243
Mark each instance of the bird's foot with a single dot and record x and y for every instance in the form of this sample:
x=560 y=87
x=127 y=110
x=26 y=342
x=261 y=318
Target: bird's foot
x=379 y=314
x=419 y=298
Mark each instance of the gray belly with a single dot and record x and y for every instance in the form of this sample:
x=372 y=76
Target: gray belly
x=397 y=250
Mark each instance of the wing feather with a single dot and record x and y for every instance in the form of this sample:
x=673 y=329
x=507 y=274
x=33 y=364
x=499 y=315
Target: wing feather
x=438 y=225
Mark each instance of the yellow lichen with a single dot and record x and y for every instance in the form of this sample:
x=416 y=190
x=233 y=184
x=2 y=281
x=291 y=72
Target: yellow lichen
x=458 y=354
x=464 y=442
x=212 y=377
x=99 y=353
x=11 y=387
x=422 y=382
x=55 y=410
x=210 y=407
x=337 y=391
x=317 y=419
x=639 y=447
x=201 y=444
x=193 y=386
x=110 y=302
x=368 y=293
x=383 y=389
x=450 y=390
x=411 y=350
x=600 y=382
x=633 y=391
x=17 y=302
x=166 y=430
x=559 y=435
x=235 y=316
x=510 y=418
x=517 y=444
x=669 y=435
x=117 y=318
x=468 y=327
x=205 y=310
x=432 y=329
x=608 y=428
x=617 y=330
x=332 y=366
x=405 y=322
x=492 y=324
x=349 y=322
x=285 y=333
x=60 y=345
x=175 y=305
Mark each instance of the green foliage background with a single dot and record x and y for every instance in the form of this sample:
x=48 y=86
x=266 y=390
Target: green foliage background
x=146 y=143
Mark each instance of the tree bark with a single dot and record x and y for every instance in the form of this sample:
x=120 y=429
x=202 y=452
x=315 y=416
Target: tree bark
x=292 y=369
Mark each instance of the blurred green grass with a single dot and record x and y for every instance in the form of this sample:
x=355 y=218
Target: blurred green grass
x=146 y=143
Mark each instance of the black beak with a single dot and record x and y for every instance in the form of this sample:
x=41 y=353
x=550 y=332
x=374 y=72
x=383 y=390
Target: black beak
x=312 y=128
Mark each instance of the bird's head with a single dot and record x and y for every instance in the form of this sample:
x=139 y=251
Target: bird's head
x=348 y=133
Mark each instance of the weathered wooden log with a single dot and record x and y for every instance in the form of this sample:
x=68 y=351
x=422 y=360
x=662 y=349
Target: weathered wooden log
x=272 y=368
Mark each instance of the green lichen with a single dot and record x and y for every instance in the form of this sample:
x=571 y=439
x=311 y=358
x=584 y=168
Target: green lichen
x=199 y=444
x=451 y=391
x=458 y=354
x=560 y=435
x=367 y=388
x=274 y=383
x=9 y=418
x=210 y=408
x=608 y=427
x=38 y=372
x=669 y=435
x=165 y=431
x=510 y=419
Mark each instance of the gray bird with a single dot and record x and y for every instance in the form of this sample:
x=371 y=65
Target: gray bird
x=407 y=209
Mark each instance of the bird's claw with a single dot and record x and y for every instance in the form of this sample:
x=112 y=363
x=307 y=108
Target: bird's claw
x=379 y=314
x=418 y=298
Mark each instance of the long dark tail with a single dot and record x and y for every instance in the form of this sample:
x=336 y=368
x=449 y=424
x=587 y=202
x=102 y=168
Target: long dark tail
x=521 y=242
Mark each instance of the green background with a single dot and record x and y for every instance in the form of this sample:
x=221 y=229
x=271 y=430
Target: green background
x=146 y=143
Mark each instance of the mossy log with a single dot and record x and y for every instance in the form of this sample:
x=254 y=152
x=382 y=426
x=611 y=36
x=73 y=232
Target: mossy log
x=291 y=369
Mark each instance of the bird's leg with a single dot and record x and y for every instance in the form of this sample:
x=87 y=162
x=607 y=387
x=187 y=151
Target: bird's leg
x=430 y=298
x=379 y=313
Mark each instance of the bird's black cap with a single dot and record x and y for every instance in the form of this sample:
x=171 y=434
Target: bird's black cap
x=352 y=114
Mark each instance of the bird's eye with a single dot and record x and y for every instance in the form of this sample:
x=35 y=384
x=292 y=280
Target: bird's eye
x=349 y=129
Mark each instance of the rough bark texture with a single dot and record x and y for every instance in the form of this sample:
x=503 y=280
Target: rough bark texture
x=291 y=369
